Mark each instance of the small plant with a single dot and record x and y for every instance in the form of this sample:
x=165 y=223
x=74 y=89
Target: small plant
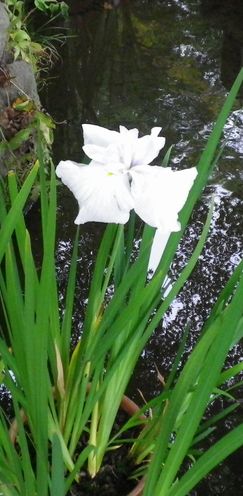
x=20 y=42
x=53 y=7
x=23 y=127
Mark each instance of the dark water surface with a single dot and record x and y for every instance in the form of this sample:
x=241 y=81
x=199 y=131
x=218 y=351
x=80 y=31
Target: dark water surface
x=170 y=64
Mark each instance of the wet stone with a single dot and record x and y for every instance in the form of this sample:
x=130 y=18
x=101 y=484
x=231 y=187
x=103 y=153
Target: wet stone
x=4 y=24
x=21 y=82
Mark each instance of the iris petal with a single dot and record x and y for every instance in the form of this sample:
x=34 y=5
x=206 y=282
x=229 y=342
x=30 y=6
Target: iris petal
x=103 y=155
x=155 y=131
x=102 y=196
x=100 y=136
x=160 y=193
x=158 y=246
x=103 y=145
x=131 y=133
x=147 y=148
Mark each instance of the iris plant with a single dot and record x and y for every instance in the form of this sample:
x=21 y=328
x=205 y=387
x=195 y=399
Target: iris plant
x=63 y=392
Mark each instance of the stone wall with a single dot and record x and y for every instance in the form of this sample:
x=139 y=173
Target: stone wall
x=17 y=79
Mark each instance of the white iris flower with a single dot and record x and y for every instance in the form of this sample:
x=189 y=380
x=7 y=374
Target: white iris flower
x=119 y=179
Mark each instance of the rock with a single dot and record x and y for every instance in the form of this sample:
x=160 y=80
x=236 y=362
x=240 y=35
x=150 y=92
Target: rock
x=4 y=24
x=17 y=79
x=21 y=83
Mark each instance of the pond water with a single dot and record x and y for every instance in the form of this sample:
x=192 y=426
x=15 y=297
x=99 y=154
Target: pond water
x=168 y=63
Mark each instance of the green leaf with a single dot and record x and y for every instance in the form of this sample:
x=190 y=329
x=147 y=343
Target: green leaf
x=215 y=455
x=19 y=138
x=15 y=212
x=57 y=486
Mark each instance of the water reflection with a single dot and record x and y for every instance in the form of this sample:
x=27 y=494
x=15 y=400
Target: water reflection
x=227 y=16
x=143 y=64
x=140 y=64
x=125 y=66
